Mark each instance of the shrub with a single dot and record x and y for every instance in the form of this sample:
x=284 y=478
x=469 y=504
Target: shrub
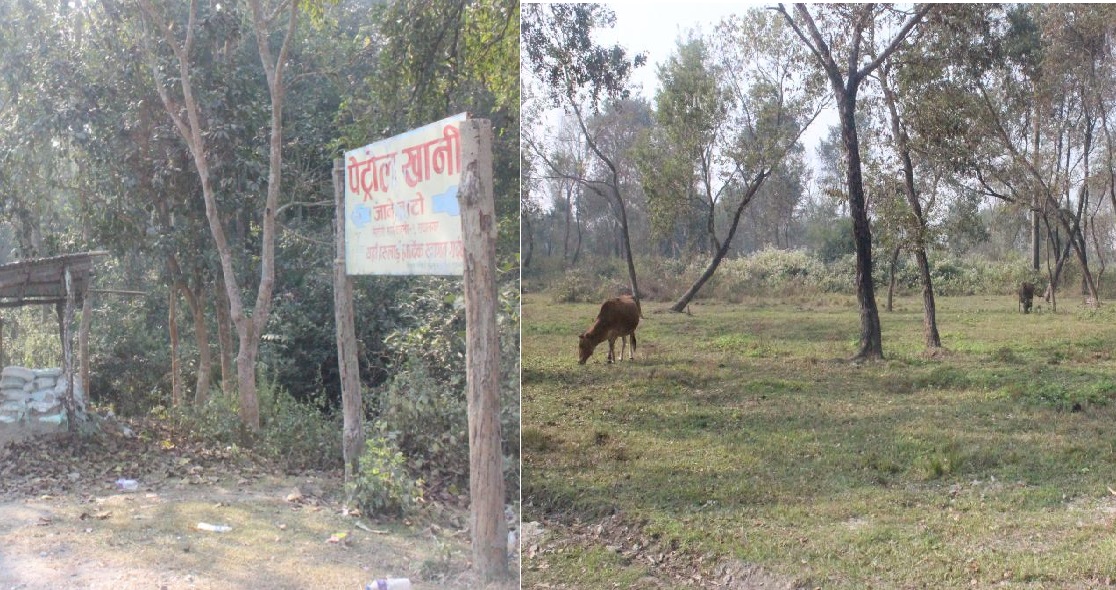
x=382 y=486
x=299 y=435
x=426 y=418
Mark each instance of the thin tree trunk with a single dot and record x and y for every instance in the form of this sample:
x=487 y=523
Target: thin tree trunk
x=891 y=280
x=196 y=303
x=172 y=322
x=1035 y=228
x=930 y=316
x=569 y=216
x=719 y=255
x=248 y=328
x=224 y=337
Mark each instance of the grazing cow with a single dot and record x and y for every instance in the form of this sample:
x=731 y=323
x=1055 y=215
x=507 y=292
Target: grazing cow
x=1026 y=297
x=618 y=319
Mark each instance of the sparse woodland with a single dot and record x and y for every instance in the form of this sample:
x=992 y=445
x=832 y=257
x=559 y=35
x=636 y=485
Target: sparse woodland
x=980 y=138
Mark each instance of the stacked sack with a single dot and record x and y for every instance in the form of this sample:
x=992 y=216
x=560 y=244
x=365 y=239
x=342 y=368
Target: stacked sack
x=34 y=395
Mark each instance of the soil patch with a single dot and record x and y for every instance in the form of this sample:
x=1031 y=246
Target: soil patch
x=65 y=524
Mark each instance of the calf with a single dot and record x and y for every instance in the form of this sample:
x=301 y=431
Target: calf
x=1026 y=297
x=618 y=319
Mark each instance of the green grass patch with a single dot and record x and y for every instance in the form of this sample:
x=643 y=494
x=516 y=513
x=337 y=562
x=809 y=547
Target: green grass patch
x=742 y=431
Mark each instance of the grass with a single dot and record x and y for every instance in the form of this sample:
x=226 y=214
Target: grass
x=744 y=433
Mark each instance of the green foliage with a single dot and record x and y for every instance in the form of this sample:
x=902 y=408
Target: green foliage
x=36 y=342
x=298 y=435
x=422 y=407
x=561 y=51
x=426 y=418
x=383 y=486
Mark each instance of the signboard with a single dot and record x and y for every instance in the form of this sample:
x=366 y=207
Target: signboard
x=401 y=211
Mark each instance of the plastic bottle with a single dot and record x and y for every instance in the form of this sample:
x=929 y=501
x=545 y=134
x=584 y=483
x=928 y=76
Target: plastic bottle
x=213 y=528
x=389 y=584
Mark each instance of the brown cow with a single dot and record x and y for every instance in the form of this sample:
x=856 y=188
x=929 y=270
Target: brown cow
x=618 y=319
x=1026 y=297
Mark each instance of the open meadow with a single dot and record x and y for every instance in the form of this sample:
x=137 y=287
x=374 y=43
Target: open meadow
x=743 y=449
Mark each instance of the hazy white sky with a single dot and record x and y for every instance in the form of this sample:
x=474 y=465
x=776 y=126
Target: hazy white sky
x=654 y=27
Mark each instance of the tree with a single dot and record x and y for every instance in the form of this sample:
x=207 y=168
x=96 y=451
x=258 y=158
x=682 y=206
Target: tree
x=1024 y=116
x=850 y=28
x=580 y=76
x=773 y=101
x=678 y=162
x=193 y=131
x=918 y=242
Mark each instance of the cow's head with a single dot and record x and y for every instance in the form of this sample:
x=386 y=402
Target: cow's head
x=584 y=347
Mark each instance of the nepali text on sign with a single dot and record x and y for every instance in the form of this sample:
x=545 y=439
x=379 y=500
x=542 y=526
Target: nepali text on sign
x=401 y=210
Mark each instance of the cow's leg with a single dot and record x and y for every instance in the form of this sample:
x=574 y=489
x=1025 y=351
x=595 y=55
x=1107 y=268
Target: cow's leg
x=611 y=349
x=633 y=346
x=623 y=347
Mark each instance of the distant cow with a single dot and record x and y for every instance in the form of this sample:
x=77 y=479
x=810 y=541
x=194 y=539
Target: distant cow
x=1026 y=296
x=618 y=319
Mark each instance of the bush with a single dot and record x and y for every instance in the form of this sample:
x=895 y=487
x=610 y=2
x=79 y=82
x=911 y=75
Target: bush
x=426 y=418
x=299 y=435
x=382 y=486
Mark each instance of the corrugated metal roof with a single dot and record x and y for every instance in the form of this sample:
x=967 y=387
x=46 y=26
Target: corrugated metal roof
x=39 y=281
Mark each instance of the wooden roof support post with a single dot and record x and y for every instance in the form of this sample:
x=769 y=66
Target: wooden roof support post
x=83 y=341
x=67 y=319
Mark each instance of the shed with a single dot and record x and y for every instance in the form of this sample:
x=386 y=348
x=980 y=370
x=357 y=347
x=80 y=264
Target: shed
x=64 y=282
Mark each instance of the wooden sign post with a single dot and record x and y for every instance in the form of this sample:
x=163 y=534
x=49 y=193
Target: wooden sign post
x=422 y=203
x=352 y=405
x=482 y=352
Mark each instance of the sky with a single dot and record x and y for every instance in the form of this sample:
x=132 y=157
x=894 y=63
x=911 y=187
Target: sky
x=654 y=27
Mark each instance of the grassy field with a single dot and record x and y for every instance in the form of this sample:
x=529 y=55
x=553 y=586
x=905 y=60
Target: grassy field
x=743 y=435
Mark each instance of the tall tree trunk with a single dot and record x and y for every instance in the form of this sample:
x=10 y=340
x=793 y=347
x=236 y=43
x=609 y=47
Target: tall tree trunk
x=627 y=243
x=930 y=315
x=196 y=303
x=845 y=87
x=569 y=217
x=224 y=337
x=1035 y=227
x=614 y=197
x=871 y=343
x=248 y=328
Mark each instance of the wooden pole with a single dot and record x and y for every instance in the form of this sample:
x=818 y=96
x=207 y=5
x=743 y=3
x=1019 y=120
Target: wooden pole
x=482 y=352
x=83 y=342
x=67 y=318
x=352 y=443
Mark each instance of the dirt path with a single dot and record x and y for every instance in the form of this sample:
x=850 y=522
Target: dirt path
x=149 y=539
x=64 y=524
